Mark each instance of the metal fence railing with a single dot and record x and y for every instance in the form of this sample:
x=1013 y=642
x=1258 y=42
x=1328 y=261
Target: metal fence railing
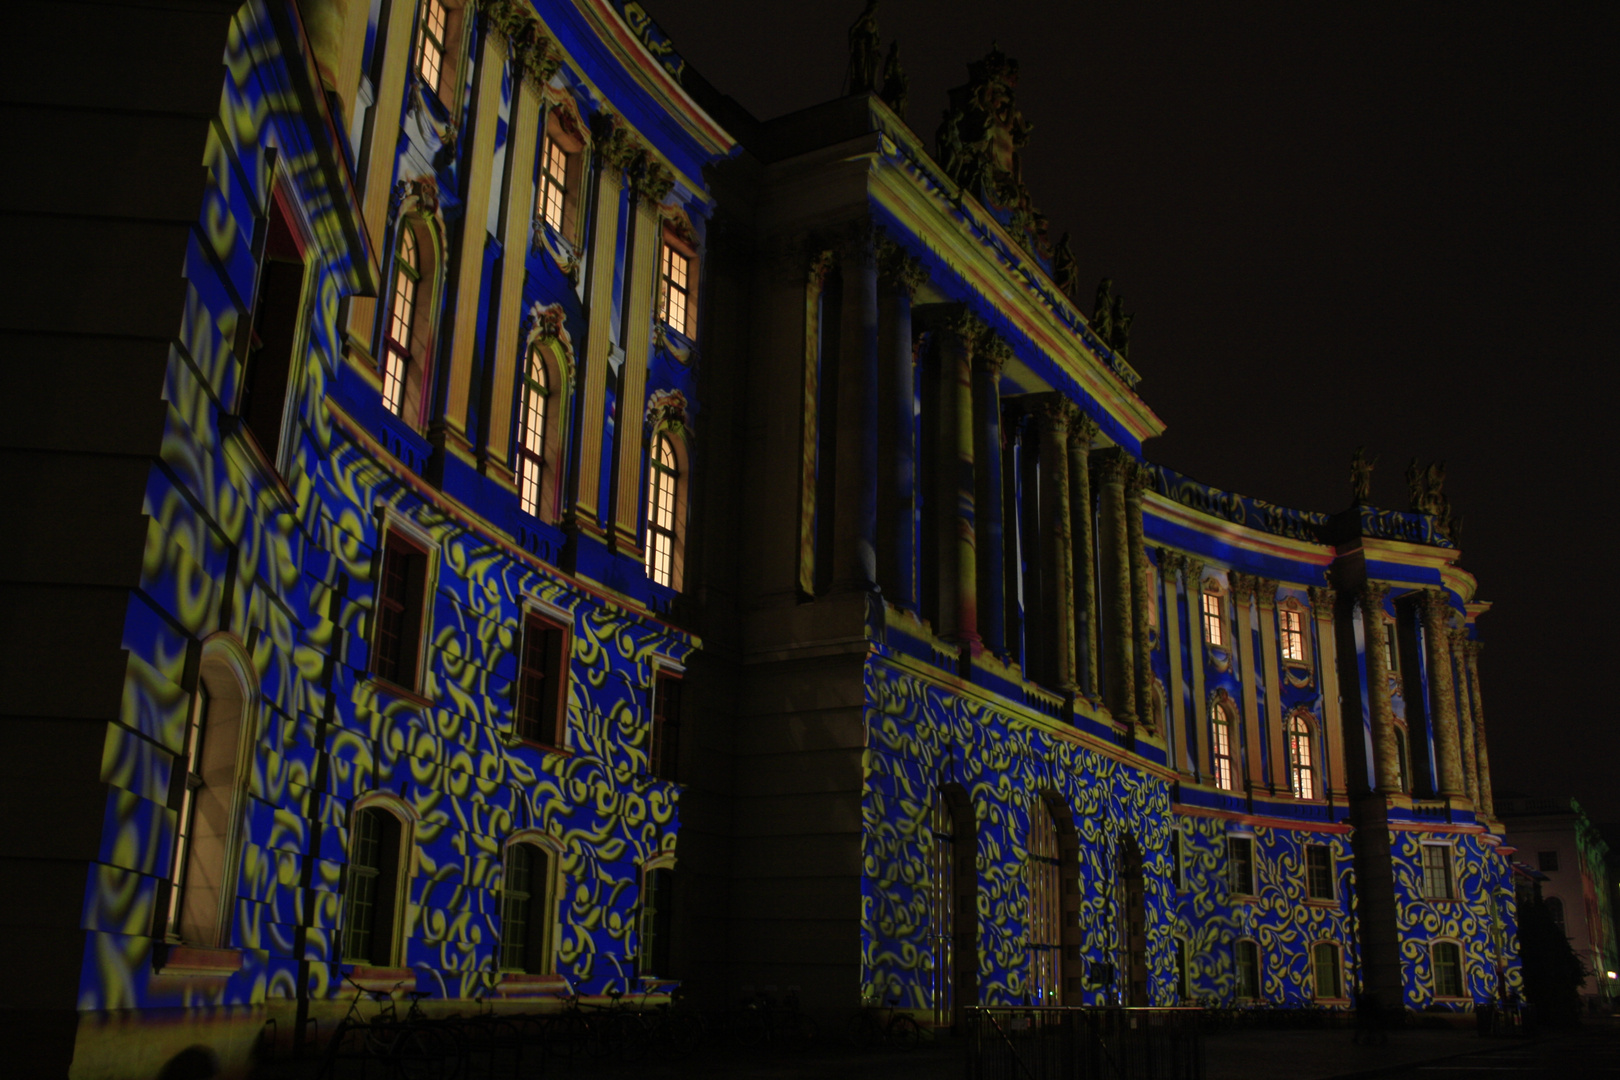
x=1054 y=1043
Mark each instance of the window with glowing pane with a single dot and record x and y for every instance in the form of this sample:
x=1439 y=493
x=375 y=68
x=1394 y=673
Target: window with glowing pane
x=675 y=274
x=1302 y=767
x=1293 y=633
x=430 y=42
x=1220 y=746
x=554 y=183
x=1045 y=904
x=1212 y=619
x=397 y=349
x=532 y=433
x=662 y=480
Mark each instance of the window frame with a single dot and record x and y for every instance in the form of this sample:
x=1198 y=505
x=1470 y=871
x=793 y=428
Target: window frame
x=680 y=317
x=1246 y=867
x=1459 y=967
x=655 y=920
x=396 y=890
x=670 y=576
x=547 y=899
x=1238 y=966
x=557 y=666
x=531 y=445
x=562 y=132
x=1299 y=635
x=1302 y=771
x=1044 y=879
x=1222 y=752
x=1444 y=859
x=441 y=42
x=664 y=736
x=1334 y=951
x=1213 y=623
x=405 y=542
x=1314 y=894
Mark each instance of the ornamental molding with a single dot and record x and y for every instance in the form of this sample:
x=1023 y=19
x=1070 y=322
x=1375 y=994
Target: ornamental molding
x=666 y=411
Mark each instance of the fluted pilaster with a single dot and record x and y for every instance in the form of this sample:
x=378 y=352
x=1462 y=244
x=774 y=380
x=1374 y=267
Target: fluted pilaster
x=1120 y=645
x=1137 y=478
x=1057 y=549
x=1386 y=758
x=1442 y=696
x=1082 y=432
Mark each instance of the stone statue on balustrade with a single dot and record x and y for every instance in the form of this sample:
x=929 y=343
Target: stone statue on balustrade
x=865 y=47
x=895 y=82
x=1361 y=471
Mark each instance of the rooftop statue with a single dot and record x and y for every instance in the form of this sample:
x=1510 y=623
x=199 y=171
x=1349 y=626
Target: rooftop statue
x=948 y=148
x=864 y=48
x=1065 y=273
x=1102 y=313
x=992 y=132
x=1361 y=471
x=1120 y=339
x=1427 y=488
x=895 y=82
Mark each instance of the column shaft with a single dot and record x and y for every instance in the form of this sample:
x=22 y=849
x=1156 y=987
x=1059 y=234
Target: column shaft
x=1465 y=715
x=1243 y=658
x=629 y=431
x=1115 y=548
x=1135 y=481
x=1479 y=731
x=855 y=518
x=1442 y=698
x=612 y=151
x=1057 y=547
x=958 y=564
x=1386 y=759
x=900 y=576
x=1193 y=575
x=988 y=509
x=1282 y=779
x=1327 y=674
x=1081 y=433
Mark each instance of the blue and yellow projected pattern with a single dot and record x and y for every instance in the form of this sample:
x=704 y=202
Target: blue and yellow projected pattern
x=1481 y=878
x=921 y=737
x=1281 y=919
x=227 y=550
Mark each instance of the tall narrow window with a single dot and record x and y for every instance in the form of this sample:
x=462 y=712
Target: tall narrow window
x=657 y=908
x=1292 y=624
x=543 y=682
x=666 y=732
x=1045 y=905
x=532 y=432
x=1247 y=956
x=188 y=781
x=1437 y=872
x=397 y=349
x=266 y=380
x=527 y=910
x=1220 y=747
x=1448 y=971
x=1392 y=652
x=372 y=888
x=1319 y=872
x=1213 y=634
x=1301 y=765
x=553 y=183
x=430 y=43
x=676 y=294
x=1240 y=864
x=1325 y=960
x=1555 y=910
x=398 y=614
x=1403 y=780
x=662 y=481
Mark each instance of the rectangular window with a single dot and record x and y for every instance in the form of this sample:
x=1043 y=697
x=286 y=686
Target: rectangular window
x=1293 y=634
x=368 y=936
x=1325 y=959
x=400 y=595
x=1240 y=864
x=526 y=910
x=675 y=271
x=657 y=908
x=1212 y=619
x=267 y=376
x=1319 y=873
x=664 y=757
x=1448 y=974
x=430 y=43
x=543 y=683
x=553 y=183
x=1247 y=955
x=1547 y=861
x=1437 y=872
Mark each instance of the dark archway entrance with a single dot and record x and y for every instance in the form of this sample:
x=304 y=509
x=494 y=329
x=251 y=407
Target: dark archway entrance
x=954 y=905
x=1132 y=909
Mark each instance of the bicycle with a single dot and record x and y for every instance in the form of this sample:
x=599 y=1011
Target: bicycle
x=874 y=1025
x=411 y=1049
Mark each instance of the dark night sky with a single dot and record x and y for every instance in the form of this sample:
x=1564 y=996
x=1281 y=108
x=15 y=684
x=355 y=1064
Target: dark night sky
x=1382 y=223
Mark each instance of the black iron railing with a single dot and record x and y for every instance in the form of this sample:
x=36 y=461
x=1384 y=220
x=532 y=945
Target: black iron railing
x=1049 y=1043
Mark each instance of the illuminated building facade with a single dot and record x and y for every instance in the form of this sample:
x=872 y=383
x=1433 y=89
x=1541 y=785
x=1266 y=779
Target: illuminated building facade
x=506 y=516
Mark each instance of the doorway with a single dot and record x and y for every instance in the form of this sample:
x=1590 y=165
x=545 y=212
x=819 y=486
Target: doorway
x=954 y=907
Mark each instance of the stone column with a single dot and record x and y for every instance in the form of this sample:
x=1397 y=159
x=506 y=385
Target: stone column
x=989 y=358
x=1465 y=714
x=1473 y=648
x=469 y=263
x=899 y=278
x=1057 y=547
x=1115 y=554
x=855 y=520
x=614 y=147
x=1244 y=660
x=495 y=457
x=1136 y=479
x=1386 y=759
x=1193 y=574
x=1442 y=697
x=651 y=182
x=1082 y=430
x=957 y=480
x=1325 y=657
x=1271 y=678
x=1175 y=721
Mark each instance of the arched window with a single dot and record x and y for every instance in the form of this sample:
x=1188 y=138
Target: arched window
x=402 y=320
x=1214 y=634
x=208 y=802
x=372 y=902
x=532 y=432
x=1220 y=747
x=528 y=909
x=1301 y=763
x=1446 y=959
x=663 y=480
x=1045 y=905
x=1325 y=962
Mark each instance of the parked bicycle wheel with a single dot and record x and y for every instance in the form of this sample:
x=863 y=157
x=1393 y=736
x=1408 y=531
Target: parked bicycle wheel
x=903 y=1033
